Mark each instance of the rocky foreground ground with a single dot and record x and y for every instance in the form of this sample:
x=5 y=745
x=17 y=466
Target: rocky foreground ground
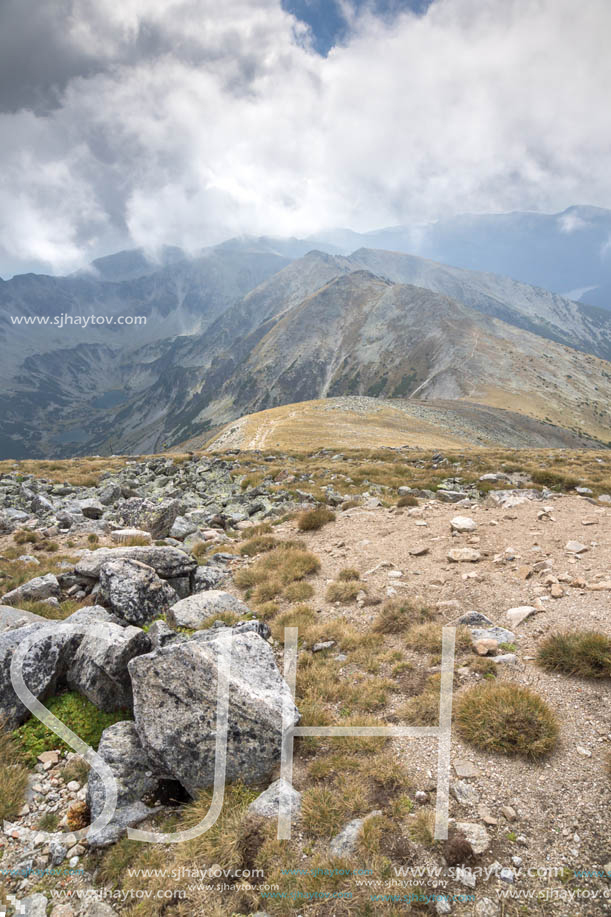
x=120 y=594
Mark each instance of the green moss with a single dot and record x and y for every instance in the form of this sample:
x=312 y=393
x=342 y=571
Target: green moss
x=76 y=712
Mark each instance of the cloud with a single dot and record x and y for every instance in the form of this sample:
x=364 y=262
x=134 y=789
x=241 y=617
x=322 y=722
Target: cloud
x=186 y=121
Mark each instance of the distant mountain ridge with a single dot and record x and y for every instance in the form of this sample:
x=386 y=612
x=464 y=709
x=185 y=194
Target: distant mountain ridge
x=254 y=323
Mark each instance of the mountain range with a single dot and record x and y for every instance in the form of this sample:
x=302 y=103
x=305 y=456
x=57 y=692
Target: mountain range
x=255 y=323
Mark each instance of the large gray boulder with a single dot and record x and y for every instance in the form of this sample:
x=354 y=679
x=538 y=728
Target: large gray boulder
x=121 y=749
x=43 y=666
x=156 y=518
x=168 y=562
x=175 y=707
x=133 y=591
x=98 y=669
x=35 y=590
x=196 y=610
x=11 y=618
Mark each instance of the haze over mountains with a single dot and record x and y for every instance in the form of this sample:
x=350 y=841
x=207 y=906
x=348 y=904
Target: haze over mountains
x=256 y=323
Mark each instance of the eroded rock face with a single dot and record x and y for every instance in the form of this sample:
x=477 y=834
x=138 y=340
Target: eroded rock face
x=133 y=591
x=175 y=707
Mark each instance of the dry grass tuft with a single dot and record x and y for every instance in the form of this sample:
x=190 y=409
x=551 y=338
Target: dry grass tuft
x=407 y=500
x=258 y=545
x=396 y=615
x=344 y=592
x=584 y=653
x=508 y=718
x=13 y=777
x=348 y=574
x=314 y=519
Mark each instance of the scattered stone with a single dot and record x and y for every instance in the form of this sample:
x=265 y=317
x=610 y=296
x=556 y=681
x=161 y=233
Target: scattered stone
x=419 y=550
x=509 y=812
x=344 y=843
x=485 y=647
x=477 y=835
x=520 y=614
x=463 y=524
x=500 y=634
x=575 y=547
x=463 y=555
x=556 y=591
x=464 y=793
x=464 y=768
x=267 y=804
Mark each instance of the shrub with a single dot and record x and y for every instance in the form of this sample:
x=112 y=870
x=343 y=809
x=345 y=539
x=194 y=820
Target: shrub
x=508 y=718
x=313 y=519
x=585 y=653
x=76 y=712
x=93 y=538
x=407 y=500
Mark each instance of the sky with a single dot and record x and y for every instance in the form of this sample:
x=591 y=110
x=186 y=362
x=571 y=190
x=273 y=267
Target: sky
x=185 y=122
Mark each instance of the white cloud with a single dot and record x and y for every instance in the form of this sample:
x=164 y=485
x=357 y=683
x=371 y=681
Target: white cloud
x=211 y=119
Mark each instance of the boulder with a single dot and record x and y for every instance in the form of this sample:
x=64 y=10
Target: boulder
x=156 y=518
x=133 y=591
x=12 y=618
x=98 y=669
x=209 y=576
x=121 y=749
x=167 y=562
x=196 y=610
x=124 y=536
x=36 y=590
x=91 y=509
x=160 y=634
x=268 y=803
x=175 y=707
x=181 y=527
x=43 y=667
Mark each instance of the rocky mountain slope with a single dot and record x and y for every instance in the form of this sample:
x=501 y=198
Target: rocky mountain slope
x=565 y=252
x=244 y=328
